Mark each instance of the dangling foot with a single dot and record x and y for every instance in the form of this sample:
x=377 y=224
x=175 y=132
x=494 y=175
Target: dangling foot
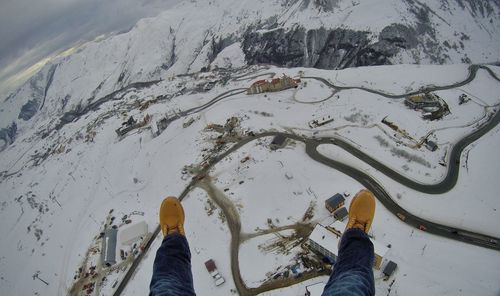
x=171 y=216
x=361 y=211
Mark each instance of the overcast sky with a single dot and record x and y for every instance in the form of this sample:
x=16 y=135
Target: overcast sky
x=31 y=30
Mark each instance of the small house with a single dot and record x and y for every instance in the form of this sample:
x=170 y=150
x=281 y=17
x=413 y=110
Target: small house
x=108 y=251
x=432 y=146
x=334 y=202
x=278 y=142
x=340 y=214
x=389 y=268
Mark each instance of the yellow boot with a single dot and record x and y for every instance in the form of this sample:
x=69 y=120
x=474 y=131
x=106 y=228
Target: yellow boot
x=361 y=211
x=171 y=216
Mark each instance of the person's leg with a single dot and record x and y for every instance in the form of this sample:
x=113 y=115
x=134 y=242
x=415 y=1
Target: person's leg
x=172 y=267
x=352 y=273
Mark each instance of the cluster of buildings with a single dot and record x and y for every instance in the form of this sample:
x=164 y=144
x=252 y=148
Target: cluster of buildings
x=132 y=124
x=128 y=237
x=276 y=84
x=431 y=105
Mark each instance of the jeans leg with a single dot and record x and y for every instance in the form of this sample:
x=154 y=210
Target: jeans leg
x=172 y=268
x=353 y=273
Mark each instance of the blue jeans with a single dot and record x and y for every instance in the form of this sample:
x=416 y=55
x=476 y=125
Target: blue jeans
x=172 y=268
x=352 y=273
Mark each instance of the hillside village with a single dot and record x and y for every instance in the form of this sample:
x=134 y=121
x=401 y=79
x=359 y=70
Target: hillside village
x=265 y=119
x=307 y=252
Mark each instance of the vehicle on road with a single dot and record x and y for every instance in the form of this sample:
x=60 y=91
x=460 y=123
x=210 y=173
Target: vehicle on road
x=212 y=270
x=401 y=216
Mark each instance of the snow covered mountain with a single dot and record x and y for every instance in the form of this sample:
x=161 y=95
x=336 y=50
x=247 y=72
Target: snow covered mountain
x=197 y=35
x=65 y=174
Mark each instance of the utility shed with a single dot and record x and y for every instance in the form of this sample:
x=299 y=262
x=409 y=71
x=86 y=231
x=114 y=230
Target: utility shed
x=389 y=268
x=432 y=146
x=340 y=214
x=278 y=142
x=108 y=251
x=133 y=233
x=334 y=202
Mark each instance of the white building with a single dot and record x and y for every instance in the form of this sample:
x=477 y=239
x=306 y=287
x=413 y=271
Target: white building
x=326 y=240
x=133 y=233
x=380 y=252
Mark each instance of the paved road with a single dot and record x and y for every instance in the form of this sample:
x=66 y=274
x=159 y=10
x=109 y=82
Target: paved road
x=366 y=180
x=371 y=184
x=472 y=74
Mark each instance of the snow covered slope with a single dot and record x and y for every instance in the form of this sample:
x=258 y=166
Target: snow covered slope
x=57 y=188
x=63 y=168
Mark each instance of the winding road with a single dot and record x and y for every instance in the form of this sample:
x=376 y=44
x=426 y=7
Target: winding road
x=448 y=182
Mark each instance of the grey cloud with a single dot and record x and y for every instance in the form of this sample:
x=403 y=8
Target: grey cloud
x=32 y=29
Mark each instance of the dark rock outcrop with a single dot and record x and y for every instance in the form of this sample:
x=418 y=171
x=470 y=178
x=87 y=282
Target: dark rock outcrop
x=7 y=135
x=217 y=45
x=29 y=110
x=326 y=48
x=37 y=92
x=476 y=8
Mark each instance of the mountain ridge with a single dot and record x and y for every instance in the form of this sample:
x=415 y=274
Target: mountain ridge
x=323 y=34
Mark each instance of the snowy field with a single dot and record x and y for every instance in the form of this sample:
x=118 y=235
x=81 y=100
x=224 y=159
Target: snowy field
x=57 y=190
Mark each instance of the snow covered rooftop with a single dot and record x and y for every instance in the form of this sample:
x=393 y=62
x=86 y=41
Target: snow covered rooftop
x=325 y=238
x=132 y=233
x=379 y=248
x=320 y=231
x=338 y=226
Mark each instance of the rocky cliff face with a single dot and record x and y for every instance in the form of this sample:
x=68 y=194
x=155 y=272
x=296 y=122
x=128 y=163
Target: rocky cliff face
x=326 y=48
x=326 y=34
x=7 y=135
